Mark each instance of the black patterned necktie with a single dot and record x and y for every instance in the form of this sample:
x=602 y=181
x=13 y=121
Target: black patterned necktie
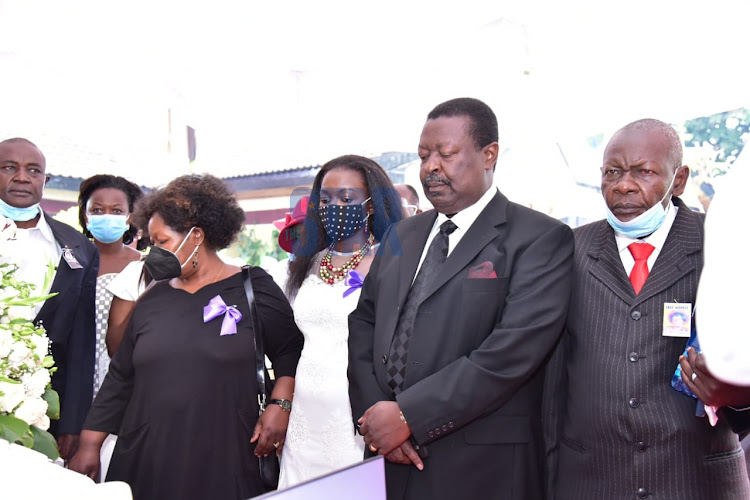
x=436 y=255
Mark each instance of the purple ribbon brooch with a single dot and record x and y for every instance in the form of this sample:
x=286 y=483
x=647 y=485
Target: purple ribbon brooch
x=354 y=281
x=215 y=308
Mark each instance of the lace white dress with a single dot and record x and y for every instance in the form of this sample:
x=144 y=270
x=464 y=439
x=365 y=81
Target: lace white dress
x=321 y=437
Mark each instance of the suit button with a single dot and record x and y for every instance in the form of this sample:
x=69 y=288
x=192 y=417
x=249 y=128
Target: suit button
x=636 y=315
x=640 y=446
x=450 y=425
x=385 y=359
x=430 y=435
x=641 y=493
x=445 y=428
x=437 y=431
x=633 y=357
x=634 y=403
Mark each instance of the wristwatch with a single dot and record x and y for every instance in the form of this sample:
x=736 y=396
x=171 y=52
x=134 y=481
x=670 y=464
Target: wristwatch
x=285 y=404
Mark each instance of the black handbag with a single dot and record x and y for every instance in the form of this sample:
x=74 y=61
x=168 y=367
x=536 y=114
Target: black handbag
x=269 y=466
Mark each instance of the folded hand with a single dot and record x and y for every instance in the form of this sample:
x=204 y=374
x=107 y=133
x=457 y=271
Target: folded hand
x=406 y=455
x=270 y=431
x=383 y=428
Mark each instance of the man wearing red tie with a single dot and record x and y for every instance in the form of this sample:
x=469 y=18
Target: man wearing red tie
x=617 y=428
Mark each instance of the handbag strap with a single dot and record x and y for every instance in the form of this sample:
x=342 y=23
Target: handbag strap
x=260 y=354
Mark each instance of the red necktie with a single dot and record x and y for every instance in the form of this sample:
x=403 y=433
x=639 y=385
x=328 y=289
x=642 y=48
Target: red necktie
x=638 y=275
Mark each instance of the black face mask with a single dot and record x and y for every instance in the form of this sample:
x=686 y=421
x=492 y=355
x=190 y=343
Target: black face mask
x=341 y=221
x=163 y=264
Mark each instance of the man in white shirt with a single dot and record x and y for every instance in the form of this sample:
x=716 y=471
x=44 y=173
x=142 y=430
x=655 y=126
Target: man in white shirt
x=69 y=316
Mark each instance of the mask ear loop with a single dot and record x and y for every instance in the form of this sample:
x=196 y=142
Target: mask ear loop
x=195 y=255
x=367 y=217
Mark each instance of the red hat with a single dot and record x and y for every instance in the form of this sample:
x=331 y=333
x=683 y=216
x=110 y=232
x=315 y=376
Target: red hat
x=288 y=226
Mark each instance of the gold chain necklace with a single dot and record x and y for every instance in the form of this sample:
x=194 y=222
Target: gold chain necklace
x=221 y=270
x=331 y=274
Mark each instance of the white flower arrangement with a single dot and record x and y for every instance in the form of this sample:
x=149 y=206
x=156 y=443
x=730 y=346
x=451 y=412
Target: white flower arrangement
x=27 y=401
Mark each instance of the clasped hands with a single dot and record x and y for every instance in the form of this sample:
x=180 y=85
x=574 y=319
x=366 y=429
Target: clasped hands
x=386 y=432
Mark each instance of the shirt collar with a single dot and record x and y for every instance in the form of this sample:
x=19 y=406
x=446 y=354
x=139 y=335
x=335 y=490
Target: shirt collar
x=44 y=229
x=466 y=217
x=657 y=238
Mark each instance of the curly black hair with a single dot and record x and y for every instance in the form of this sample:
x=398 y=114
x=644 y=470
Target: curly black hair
x=386 y=203
x=202 y=201
x=102 y=181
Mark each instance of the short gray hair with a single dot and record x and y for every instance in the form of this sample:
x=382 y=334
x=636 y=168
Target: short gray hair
x=666 y=130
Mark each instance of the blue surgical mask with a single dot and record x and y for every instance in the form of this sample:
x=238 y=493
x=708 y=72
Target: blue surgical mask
x=19 y=214
x=646 y=223
x=107 y=228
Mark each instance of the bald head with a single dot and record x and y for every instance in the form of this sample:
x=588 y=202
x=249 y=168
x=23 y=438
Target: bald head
x=21 y=140
x=671 y=138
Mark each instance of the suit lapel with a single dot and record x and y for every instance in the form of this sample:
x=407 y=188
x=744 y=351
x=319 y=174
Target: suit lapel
x=685 y=238
x=64 y=274
x=411 y=241
x=480 y=234
x=413 y=247
x=608 y=266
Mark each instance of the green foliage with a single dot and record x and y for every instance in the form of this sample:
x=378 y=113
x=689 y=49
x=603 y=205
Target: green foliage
x=252 y=247
x=15 y=430
x=724 y=132
x=44 y=443
x=53 y=403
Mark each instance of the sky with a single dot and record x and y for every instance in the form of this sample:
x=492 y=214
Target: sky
x=275 y=85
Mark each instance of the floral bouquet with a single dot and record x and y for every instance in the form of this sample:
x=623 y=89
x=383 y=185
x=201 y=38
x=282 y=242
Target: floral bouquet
x=27 y=401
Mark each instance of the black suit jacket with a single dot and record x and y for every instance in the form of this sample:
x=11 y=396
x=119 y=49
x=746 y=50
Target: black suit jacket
x=474 y=380
x=69 y=320
x=617 y=427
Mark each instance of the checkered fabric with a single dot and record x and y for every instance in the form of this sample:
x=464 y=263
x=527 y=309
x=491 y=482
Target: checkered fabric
x=434 y=259
x=102 y=303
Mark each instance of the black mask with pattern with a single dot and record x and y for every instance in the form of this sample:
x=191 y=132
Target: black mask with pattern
x=342 y=221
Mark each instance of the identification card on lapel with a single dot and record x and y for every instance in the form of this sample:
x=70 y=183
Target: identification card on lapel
x=71 y=259
x=677 y=319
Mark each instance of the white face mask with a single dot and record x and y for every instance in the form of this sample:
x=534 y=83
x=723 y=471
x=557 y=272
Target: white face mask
x=646 y=223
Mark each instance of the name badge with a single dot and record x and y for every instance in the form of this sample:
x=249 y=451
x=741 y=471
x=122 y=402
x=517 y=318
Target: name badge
x=677 y=319
x=71 y=259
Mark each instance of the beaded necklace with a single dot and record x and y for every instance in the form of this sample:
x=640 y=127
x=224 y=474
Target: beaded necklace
x=331 y=274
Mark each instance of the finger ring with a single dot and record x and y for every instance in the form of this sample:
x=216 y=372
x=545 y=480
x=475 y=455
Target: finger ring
x=276 y=444
x=693 y=376
x=373 y=449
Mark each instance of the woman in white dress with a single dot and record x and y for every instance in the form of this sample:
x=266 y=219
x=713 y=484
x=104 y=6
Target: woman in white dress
x=352 y=203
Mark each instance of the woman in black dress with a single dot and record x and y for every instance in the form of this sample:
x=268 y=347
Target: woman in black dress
x=181 y=392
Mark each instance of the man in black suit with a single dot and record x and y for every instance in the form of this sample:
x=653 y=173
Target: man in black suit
x=69 y=316
x=446 y=366
x=617 y=427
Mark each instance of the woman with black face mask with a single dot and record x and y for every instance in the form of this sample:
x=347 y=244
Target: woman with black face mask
x=181 y=392
x=352 y=203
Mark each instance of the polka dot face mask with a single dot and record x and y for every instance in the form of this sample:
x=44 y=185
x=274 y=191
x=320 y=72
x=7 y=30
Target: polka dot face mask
x=342 y=221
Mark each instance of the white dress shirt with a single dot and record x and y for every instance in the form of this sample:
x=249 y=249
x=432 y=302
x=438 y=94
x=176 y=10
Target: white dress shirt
x=463 y=221
x=32 y=250
x=657 y=239
x=724 y=287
